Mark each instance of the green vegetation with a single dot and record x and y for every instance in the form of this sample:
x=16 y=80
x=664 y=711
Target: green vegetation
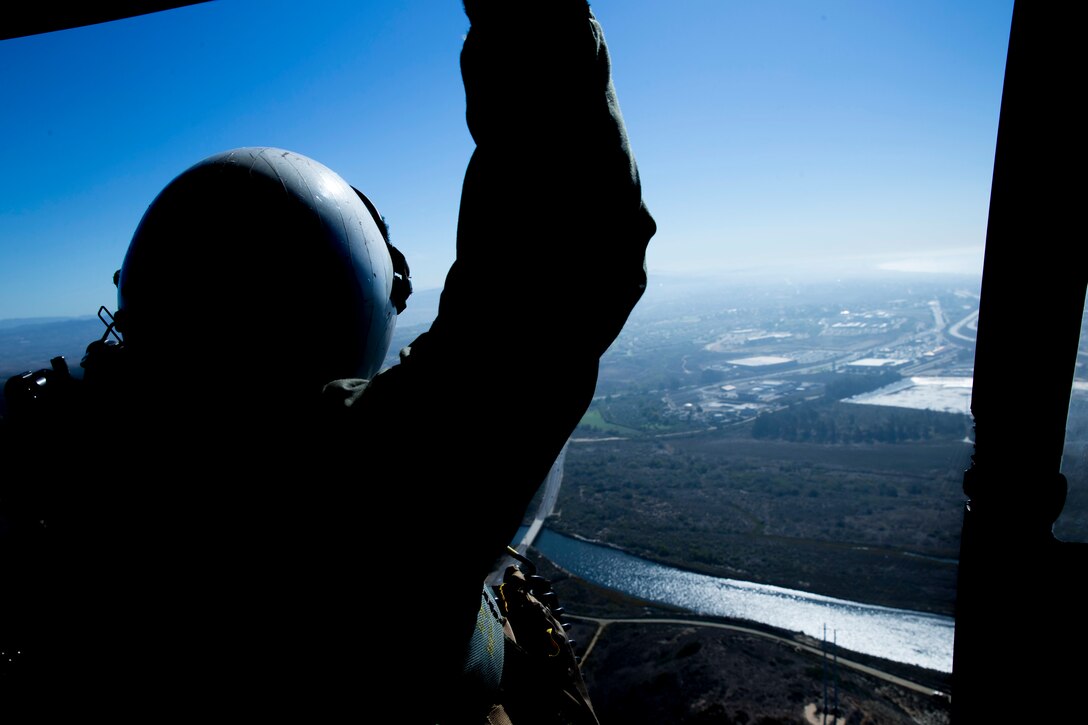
x=874 y=522
x=634 y=414
x=594 y=420
x=848 y=423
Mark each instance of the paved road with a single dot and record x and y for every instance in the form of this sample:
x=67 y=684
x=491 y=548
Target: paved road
x=970 y=322
x=602 y=623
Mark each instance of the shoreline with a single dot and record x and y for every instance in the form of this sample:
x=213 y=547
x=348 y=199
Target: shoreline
x=765 y=581
x=587 y=600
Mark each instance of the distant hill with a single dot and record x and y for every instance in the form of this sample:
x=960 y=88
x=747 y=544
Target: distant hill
x=29 y=344
x=21 y=321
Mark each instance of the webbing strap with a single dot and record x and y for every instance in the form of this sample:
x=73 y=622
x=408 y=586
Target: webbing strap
x=486 y=650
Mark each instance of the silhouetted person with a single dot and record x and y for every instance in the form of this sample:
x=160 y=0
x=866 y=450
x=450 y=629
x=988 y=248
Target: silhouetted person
x=262 y=543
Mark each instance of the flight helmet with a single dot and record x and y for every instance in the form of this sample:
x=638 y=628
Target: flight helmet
x=263 y=264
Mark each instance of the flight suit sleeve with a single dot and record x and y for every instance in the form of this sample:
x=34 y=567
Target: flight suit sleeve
x=552 y=229
x=551 y=241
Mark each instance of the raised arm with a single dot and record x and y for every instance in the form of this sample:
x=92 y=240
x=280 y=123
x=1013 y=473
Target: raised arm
x=552 y=227
x=550 y=261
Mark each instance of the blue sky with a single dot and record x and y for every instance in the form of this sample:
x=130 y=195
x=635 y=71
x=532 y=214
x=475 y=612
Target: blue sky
x=830 y=135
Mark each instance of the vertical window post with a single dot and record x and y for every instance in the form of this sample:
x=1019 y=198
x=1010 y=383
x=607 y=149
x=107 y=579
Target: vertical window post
x=1016 y=604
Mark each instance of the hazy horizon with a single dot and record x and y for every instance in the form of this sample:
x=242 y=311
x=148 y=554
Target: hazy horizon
x=423 y=303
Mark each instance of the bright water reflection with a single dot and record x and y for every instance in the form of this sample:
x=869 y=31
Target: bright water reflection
x=894 y=634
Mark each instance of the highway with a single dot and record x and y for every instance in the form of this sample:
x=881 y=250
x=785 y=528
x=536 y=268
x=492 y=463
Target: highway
x=970 y=322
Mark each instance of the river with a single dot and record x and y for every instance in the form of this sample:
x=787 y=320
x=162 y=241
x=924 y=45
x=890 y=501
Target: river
x=896 y=634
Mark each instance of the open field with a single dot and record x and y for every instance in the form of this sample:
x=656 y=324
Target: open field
x=877 y=522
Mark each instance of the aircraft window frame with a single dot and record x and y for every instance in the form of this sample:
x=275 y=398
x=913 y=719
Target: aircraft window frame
x=1012 y=569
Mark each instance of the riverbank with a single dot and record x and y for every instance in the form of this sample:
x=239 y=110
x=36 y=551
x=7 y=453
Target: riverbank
x=896 y=596
x=917 y=638
x=655 y=672
x=878 y=522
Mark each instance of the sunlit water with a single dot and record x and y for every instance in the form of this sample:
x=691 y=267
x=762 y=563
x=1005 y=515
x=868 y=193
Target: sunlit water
x=894 y=634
